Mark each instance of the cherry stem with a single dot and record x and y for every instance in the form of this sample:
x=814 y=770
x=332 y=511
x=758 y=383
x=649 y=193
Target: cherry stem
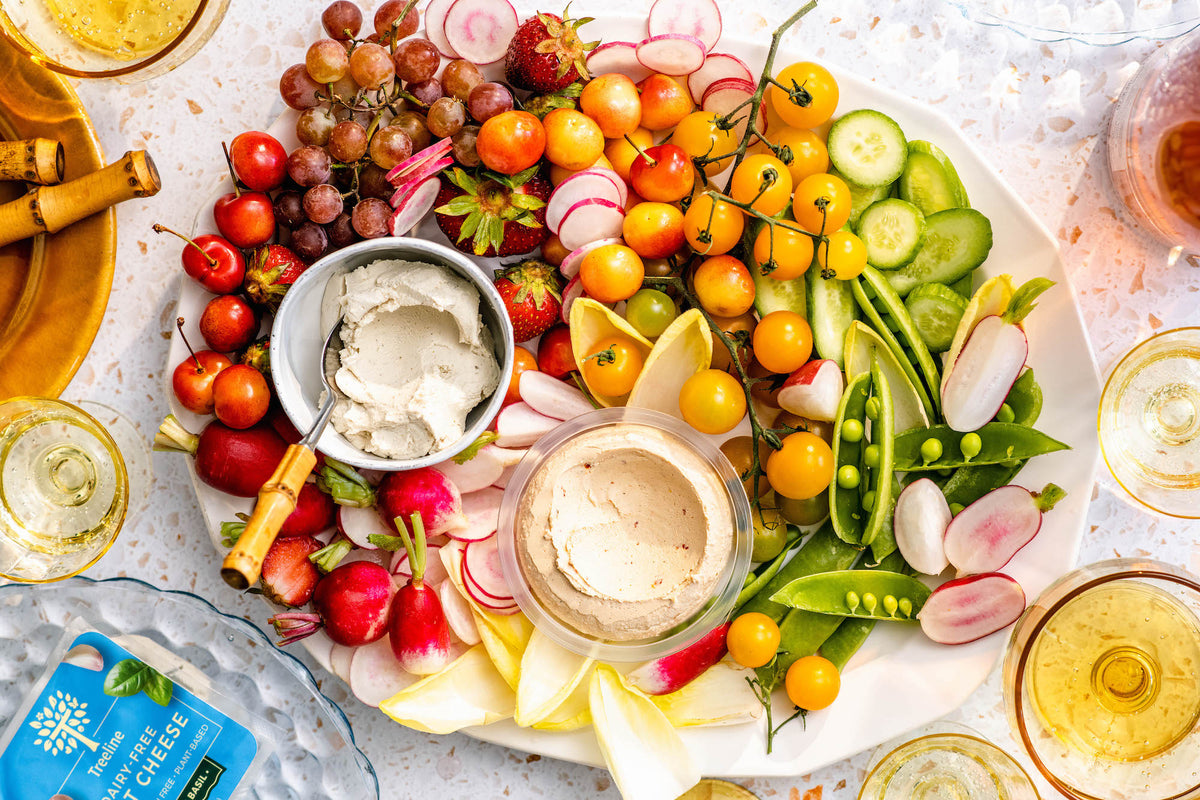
x=187 y=344
x=157 y=228
x=237 y=189
x=652 y=162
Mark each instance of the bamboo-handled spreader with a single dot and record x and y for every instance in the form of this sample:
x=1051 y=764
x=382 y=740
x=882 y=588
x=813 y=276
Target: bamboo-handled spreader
x=48 y=209
x=33 y=160
x=277 y=497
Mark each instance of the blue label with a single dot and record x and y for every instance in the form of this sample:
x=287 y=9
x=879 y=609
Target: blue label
x=122 y=732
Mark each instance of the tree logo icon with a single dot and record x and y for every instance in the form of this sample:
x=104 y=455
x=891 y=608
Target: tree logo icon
x=60 y=725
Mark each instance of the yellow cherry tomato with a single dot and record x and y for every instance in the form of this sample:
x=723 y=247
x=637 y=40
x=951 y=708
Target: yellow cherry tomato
x=843 y=257
x=712 y=401
x=613 y=366
x=788 y=250
x=723 y=286
x=753 y=639
x=812 y=683
x=802 y=467
x=621 y=151
x=699 y=135
x=809 y=95
x=713 y=227
x=782 y=342
x=762 y=182
x=822 y=203
x=810 y=156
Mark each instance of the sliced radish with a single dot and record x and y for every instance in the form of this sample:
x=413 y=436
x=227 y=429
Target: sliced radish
x=671 y=53
x=920 y=521
x=483 y=511
x=458 y=614
x=481 y=562
x=571 y=292
x=589 y=220
x=358 y=524
x=481 y=597
x=439 y=149
x=520 y=426
x=619 y=57
x=503 y=480
x=988 y=533
x=700 y=19
x=405 y=183
x=984 y=372
x=376 y=675
x=340 y=657
x=580 y=186
x=966 y=609
x=415 y=206
x=550 y=396
x=475 y=473
x=570 y=265
x=480 y=30
x=617 y=181
x=718 y=66
x=723 y=96
x=435 y=20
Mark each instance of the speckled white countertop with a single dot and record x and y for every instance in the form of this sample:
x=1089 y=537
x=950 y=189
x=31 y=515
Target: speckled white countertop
x=1036 y=111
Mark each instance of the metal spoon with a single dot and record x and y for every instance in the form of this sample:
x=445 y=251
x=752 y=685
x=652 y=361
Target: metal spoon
x=277 y=497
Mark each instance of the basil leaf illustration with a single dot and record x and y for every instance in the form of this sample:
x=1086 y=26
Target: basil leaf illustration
x=126 y=678
x=159 y=688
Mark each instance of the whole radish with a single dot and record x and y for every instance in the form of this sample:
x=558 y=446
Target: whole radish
x=315 y=512
x=237 y=462
x=352 y=603
x=419 y=633
x=672 y=672
x=422 y=491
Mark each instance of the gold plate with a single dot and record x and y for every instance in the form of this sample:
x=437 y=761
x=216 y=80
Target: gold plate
x=54 y=287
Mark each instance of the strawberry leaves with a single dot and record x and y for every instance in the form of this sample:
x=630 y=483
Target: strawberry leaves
x=484 y=212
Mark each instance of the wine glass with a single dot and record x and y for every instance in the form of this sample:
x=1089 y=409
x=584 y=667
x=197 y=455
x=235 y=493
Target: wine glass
x=1101 y=683
x=64 y=490
x=1149 y=422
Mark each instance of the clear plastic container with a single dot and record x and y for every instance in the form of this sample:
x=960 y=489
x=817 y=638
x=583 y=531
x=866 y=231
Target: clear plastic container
x=682 y=633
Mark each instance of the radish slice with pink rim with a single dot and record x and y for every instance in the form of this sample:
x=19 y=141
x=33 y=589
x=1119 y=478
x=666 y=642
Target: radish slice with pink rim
x=552 y=397
x=435 y=20
x=580 y=186
x=376 y=675
x=435 y=571
x=618 y=57
x=481 y=562
x=589 y=220
x=966 y=609
x=340 y=658
x=458 y=614
x=477 y=472
x=480 y=30
x=483 y=509
x=988 y=533
x=415 y=206
x=433 y=152
x=357 y=524
x=520 y=426
x=672 y=53
x=570 y=265
x=622 y=188
x=571 y=292
x=700 y=19
x=723 y=96
x=718 y=66
x=404 y=185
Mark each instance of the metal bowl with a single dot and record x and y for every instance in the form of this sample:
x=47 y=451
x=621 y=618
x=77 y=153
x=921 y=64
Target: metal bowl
x=297 y=336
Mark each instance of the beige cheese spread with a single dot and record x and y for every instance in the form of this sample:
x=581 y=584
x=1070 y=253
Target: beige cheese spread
x=623 y=532
x=416 y=358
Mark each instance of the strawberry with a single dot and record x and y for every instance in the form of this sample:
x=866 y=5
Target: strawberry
x=542 y=104
x=272 y=270
x=288 y=577
x=532 y=295
x=489 y=214
x=546 y=53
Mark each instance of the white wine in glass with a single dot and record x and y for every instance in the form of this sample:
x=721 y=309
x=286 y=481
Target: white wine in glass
x=1149 y=422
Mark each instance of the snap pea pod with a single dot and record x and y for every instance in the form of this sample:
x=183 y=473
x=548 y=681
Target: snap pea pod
x=755 y=581
x=850 y=635
x=886 y=311
x=884 y=544
x=877 y=594
x=939 y=447
x=849 y=430
x=883 y=436
x=822 y=551
x=801 y=633
x=1025 y=399
x=906 y=364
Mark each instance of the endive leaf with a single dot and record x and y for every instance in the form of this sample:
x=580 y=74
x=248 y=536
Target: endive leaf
x=573 y=713
x=591 y=323
x=468 y=692
x=644 y=753
x=549 y=674
x=720 y=696
x=683 y=349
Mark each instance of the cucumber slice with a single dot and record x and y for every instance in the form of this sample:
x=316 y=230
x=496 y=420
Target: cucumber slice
x=861 y=197
x=936 y=311
x=957 y=241
x=930 y=149
x=924 y=183
x=893 y=231
x=964 y=285
x=868 y=147
x=831 y=312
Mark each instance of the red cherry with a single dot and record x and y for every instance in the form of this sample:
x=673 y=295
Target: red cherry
x=192 y=380
x=228 y=323
x=246 y=219
x=213 y=262
x=554 y=354
x=662 y=174
x=259 y=160
x=241 y=396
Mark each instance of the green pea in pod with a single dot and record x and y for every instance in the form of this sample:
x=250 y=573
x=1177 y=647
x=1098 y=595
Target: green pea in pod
x=870 y=594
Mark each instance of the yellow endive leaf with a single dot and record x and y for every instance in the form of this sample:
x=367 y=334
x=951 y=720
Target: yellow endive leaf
x=467 y=692
x=683 y=349
x=549 y=674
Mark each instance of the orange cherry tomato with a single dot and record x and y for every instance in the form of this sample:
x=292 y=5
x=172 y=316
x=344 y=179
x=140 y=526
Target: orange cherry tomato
x=713 y=227
x=724 y=286
x=511 y=141
x=712 y=401
x=802 y=468
x=788 y=250
x=522 y=360
x=701 y=137
x=812 y=683
x=653 y=230
x=573 y=139
x=753 y=639
x=782 y=341
x=844 y=255
x=611 y=273
x=810 y=156
x=613 y=366
x=822 y=203
x=762 y=182
x=810 y=95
